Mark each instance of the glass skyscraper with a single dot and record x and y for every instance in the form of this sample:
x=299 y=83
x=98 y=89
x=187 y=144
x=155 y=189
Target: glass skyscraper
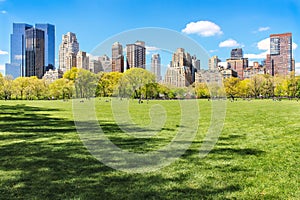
x=17 y=65
x=49 y=37
x=35 y=53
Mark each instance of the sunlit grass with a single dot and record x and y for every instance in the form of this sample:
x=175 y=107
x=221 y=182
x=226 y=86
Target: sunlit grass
x=256 y=157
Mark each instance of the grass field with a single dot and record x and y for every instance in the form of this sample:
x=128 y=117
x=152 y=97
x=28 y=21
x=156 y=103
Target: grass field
x=256 y=156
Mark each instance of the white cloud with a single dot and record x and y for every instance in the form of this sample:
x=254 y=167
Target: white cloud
x=3 y=52
x=3 y=11
x=264 y=45
x=202 y=28
x=256 y=56
x=229 y=43
x=263 y=29
x=151 y=49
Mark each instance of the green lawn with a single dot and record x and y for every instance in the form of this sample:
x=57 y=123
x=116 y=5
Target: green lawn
x=256 y=156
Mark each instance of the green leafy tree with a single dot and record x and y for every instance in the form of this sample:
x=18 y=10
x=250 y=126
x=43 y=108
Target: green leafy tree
x=267 y=87
x=61 y=89
x=71 y=74
x=201 y=90
x=85 y=83
x=244 y=88
x=231 y=86
x=292 y=85
x=256 y=85
x=108 y=83
x=133 y=81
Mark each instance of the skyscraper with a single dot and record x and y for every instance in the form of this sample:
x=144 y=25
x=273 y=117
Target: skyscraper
x=49 y=31
x=16 y=67
x=237 y=62
x=279 y=62
x=105 y=63
x=68 y=50
x=180 y=71
x=35 y=53
x=136 y=55
x=82 y=60
x=18 y=48
x=213 y=63
x=237 y=53
x=117 y=57
x=156 y=66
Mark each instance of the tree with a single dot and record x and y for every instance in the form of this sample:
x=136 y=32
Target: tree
x=292 y=85
x=243 y=88
x=280 y=86
x=85 y=84
x=108 y=83
x=267 y=87
x=61 y=89
x=133 y=81
x=201 y=90
x=255 y=85
x=230 y=85
x=71 y=74
x=19 y=86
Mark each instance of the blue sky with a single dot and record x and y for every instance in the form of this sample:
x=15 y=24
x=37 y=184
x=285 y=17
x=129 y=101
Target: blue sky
x=217 y=25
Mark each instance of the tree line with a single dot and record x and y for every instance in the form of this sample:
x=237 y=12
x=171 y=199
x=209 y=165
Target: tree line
x=140 y=83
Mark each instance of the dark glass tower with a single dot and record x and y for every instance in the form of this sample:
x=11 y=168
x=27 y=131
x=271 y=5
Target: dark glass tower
x=35 y=53
x=49 y=36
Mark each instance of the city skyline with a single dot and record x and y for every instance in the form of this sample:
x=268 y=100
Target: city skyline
x=217 y=26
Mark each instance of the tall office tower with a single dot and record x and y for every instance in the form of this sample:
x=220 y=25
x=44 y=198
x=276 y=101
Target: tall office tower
x=82 y=60
x=68 y=50
x=95 y=66
x=105 y=63
x=35 y=53
x=213 y=63
x=136 y=55
x=16 y=67
x=156 y=66
x=179 y=73
x=237 y=53
x=195 y=63
x=279 y=62
x=117 y=58
x=49 y=36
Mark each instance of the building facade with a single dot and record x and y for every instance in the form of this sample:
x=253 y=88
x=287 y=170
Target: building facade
x=279 y=61
x=95 y=66
x=105 y=63
x=35 y=53
x=16 y=67
x=213 y=63
x=136 y=55
x=180 y=72
x=239 y=65
x=68 y=50
x=117 y=57
x=82 y=60
x=237 y=53
x=156 y=66
x=49 y=37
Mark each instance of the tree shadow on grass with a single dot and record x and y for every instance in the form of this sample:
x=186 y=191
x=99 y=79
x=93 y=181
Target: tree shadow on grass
x=42 y=157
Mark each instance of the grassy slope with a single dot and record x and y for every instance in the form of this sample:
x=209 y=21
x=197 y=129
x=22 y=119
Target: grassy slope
x=256 y=157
